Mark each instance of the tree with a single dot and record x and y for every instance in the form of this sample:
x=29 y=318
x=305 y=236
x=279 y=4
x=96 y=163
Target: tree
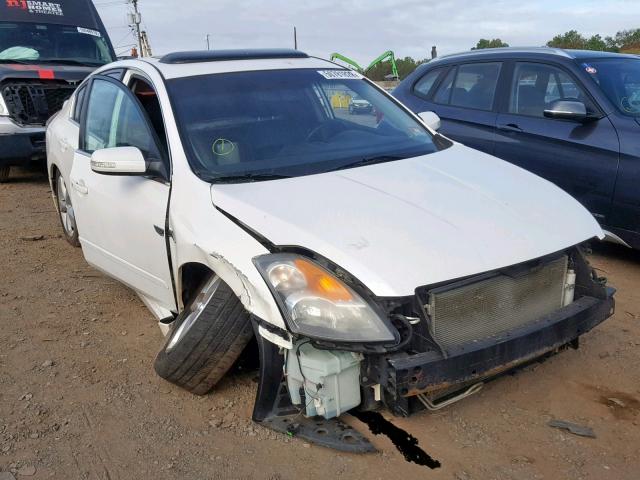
x=574 y=40
x=494 y=43
x=571 y=39
x=595 y=43
x=405 y=66
x=628 y=40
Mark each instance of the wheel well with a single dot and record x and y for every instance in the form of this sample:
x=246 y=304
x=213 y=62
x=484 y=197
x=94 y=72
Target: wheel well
x=191 y=277
x=52 y=180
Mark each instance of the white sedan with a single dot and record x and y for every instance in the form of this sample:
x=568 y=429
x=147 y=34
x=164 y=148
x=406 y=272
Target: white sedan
x=377 y=265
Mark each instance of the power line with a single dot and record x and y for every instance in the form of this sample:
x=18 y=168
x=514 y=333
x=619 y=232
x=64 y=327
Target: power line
x=125 y=37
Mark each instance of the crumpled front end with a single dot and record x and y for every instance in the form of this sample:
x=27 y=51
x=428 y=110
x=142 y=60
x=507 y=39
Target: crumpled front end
x=454 y=335
x=467 y=331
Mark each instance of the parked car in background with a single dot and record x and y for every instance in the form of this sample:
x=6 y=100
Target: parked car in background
x=46 y=50
x=572 y=117
x=377 y=264
x=359 y=105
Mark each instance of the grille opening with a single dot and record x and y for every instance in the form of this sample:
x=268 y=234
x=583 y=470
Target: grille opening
x=493 y=305
x=33 y=103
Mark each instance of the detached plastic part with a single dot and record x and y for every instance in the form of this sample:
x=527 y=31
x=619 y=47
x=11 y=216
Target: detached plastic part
x=273 y=409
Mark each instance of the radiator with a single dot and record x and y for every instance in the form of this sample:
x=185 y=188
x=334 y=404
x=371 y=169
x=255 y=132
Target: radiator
x=492 y=305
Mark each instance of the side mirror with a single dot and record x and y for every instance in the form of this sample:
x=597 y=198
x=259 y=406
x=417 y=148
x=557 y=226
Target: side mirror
x=567 y=110
x=119 y=161
x=431 y=119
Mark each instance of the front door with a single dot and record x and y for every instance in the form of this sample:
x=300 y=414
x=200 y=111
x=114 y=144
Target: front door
x=581 y=158
x=121 y=219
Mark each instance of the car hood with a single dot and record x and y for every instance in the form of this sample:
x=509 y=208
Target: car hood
x=70 y=73
x=403 y=224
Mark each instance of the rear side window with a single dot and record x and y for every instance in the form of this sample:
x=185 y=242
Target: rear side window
x=423 y=86
x=475 y=86
x=443 y=95
x=536 y=86
x=77 y=106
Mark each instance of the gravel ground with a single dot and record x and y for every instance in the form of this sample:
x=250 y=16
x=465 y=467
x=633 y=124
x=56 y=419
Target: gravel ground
x=79 y=397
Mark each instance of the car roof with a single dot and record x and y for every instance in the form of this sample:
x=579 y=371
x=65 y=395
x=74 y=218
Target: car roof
x=528 y=52
x=189 y=64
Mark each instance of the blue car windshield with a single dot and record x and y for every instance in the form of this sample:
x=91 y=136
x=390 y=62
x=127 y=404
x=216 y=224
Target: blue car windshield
x=619 y=79
x=259 y=125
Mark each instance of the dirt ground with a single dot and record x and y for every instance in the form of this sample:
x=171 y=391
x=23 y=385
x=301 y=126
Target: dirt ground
x=79 y=397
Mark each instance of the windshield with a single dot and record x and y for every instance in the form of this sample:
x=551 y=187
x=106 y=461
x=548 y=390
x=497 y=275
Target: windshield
x=619 y=79
x=38 y=43
x=248 y=126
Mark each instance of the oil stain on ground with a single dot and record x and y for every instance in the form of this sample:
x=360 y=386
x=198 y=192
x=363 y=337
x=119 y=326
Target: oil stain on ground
x=623 y=406
x=406 y=443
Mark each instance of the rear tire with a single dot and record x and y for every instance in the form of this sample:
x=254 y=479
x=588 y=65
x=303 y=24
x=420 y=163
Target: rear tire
x=4 y=174
x=206 y=338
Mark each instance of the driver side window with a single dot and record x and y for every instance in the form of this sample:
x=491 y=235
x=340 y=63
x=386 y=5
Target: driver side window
x=536 y=86
x=114 y=119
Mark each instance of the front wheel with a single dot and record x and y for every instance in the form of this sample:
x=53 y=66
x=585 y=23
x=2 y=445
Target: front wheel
x=66 y=212
x=206 y=338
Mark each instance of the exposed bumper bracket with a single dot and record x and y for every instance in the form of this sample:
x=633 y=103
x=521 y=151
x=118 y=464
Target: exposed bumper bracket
x=273 y=409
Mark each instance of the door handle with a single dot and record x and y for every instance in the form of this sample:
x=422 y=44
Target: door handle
x=510 y=127
x=80 y=186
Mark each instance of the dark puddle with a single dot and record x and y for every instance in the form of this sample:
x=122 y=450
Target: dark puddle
x=406 y=443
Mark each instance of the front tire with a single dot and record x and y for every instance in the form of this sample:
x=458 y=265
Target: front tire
x=206 y=338
x=66 y=212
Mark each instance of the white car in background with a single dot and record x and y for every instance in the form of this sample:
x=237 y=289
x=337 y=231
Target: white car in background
x=376 y=265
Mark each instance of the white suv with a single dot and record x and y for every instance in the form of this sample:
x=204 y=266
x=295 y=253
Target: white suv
x=376 y=262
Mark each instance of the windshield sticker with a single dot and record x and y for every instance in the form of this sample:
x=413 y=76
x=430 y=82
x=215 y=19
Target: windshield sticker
x=88 y=31
x=223 y=147
x=37 y=8
x=340 y=74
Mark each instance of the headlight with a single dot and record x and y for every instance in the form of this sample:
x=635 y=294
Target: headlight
x=318 y=304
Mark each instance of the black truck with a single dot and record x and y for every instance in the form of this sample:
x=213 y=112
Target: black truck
x=46 y=50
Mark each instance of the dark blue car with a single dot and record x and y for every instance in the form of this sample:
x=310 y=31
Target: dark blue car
x=570 y=116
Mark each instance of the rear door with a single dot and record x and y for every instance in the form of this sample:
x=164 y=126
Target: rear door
x=121 y=219
x=580 y=158
x=465 y=100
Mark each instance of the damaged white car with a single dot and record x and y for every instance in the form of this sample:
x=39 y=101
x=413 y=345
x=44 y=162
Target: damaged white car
x=377 y=263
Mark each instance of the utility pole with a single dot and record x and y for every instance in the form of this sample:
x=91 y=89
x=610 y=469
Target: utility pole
x=135 y=19
x=208 y=44
x=295 y=38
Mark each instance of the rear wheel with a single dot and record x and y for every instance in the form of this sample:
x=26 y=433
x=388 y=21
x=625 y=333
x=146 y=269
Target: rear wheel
x=4 y=174
x=206 y=338
x=65 y=211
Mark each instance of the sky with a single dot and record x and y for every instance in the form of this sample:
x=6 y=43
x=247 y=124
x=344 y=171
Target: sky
x=362 y=29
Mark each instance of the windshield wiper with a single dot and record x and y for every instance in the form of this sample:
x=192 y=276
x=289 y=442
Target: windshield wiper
x=370 y=161
x=246 y=178
x=71 y=61
x=21 y=62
